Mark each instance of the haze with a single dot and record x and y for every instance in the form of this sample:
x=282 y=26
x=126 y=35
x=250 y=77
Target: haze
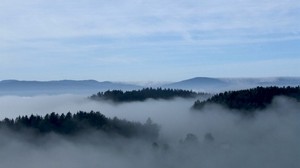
x=268 y=140
x=54 y=54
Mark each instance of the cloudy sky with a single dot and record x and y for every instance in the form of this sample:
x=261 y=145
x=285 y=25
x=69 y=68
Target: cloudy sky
x=148 y=40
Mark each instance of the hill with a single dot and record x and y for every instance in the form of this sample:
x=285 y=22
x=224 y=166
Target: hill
x=28 y=88
x=216 y=85
x=143 y=94
x=88 y=87
x=199 y=84
x=73 y=124
x=250 y=99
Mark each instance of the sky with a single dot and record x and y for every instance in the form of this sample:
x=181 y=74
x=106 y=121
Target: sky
x=148 y=40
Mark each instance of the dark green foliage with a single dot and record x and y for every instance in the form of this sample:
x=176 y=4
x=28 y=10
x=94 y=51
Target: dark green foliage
x=71 y=124
x=250 y=99
x=143 y=94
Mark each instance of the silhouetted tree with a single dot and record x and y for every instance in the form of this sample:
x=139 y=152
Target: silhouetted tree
x=250 y=99
x=208 y=137
x=81 y=121
x=143 y=94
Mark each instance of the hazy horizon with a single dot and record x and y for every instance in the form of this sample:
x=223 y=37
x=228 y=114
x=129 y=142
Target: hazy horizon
x=149 y=81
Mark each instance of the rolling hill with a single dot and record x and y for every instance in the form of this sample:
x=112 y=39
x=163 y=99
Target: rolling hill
x=215 y=85
x=87 y=87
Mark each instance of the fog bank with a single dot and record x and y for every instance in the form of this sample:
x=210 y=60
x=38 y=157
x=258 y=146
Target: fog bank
x=270 y=139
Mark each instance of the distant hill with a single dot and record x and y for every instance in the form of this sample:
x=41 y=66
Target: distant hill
x=87 y=87
x=199 y=84
x=250 y=99
x=215 y=85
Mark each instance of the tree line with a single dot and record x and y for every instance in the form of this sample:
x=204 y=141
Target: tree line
x=71 y=124
x=250 y=99
x=143 y=94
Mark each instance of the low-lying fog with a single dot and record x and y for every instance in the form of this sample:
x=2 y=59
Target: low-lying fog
x=270 y=139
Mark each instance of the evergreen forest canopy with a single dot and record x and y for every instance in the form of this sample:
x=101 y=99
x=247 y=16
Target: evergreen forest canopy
x=72 y=124
x=250 y=99
x=143 y=94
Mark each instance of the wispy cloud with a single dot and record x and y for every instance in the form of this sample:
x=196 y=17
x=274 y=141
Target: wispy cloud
x=164 y=34
x=123 y=19
x=117 y=59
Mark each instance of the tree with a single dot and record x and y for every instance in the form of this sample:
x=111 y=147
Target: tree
x=80 y=122
x=143 y=94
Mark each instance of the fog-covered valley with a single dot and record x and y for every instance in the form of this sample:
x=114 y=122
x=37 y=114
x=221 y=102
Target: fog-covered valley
x=149 y=84
x=213 y=137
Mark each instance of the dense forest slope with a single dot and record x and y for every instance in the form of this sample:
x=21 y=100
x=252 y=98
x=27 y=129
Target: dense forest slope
x=249 y=99
x=143 y=94
x=71 y=124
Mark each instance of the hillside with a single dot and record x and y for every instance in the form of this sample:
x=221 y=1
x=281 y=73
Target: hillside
x=28 y=88
x=143 y=94
x=249 y=99
x=198 y=83
x=73 y=124
x=216 y=85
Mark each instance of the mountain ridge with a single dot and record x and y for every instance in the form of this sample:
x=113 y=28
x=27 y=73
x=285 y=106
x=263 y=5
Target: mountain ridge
x=208 y=84
x=29 y=88
x=88 y=87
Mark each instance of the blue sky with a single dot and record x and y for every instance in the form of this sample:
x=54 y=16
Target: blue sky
x=143 y=40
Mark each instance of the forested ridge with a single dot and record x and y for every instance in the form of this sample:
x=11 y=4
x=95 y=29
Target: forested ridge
x=250 y=99
x=143 y=94
x=72 y=124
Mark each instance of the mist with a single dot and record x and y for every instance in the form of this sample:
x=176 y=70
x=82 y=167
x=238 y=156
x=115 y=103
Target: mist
x=269 y=139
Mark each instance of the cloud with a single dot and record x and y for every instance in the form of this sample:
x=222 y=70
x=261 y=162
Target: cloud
x=123 y=19
x=117 y=60
x=165 y=36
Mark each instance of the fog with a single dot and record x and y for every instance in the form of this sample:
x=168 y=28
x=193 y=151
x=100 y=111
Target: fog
x=270 y=139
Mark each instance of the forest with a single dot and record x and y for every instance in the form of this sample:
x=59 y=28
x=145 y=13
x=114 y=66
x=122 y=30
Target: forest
x=249 y=99
x=73 y=124
x=143 y=94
